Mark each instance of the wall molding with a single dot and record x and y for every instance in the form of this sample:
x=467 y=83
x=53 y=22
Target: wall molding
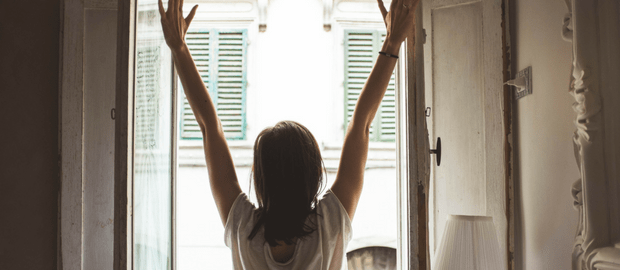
x=592 y=27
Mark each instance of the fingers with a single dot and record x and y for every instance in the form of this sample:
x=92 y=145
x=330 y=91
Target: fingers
x=190 y=17
x=180 y=6
x=162 y=12
x=384 y=11
x=177 y=10
x=170 y=5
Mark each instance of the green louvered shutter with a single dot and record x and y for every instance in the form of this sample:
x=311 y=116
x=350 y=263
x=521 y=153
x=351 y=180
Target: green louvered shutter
x=231 y=82
x=220 y=57
x=361 y=50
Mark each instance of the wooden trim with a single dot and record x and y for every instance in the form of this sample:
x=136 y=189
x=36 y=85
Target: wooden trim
x=507 y=120
x=413 y=150
x=420 y=148
x=123 y=163
x=71 y=136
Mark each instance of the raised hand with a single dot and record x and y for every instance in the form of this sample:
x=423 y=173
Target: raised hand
x=173 y=24
x=399 y=21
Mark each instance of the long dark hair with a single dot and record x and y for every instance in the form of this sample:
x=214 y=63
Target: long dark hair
x=288 y=175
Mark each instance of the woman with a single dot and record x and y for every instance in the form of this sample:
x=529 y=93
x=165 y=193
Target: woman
x=291 y=228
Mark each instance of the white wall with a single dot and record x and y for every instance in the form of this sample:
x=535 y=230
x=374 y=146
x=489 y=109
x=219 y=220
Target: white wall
x=545 y=166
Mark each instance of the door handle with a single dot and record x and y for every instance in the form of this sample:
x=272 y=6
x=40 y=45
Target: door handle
x=437 y=151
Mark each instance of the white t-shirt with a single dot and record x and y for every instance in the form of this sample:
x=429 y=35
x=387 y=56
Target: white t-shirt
x=325 y=248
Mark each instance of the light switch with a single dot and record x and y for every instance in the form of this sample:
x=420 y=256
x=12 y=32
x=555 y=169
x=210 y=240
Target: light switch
x=522 y=83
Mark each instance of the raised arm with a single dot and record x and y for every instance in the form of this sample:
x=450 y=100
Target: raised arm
x=350 y=177
x=222 y=175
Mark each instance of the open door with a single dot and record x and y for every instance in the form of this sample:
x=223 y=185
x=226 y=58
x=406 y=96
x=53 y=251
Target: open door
x=465 y=64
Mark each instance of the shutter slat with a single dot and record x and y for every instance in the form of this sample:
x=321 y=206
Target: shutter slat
x=199 y=44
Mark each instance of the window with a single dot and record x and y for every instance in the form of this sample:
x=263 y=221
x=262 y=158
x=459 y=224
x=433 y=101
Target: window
x=151 y=223
x=220 y=56
x=361 y=49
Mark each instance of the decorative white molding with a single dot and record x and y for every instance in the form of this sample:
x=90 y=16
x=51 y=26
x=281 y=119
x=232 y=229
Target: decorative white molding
x=328 y=11
x=262 y=15
x=591 y=26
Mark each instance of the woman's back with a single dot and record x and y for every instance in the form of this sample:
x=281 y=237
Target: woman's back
x=323 y=249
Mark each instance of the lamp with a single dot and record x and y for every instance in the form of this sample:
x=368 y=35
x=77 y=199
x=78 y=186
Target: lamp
x=469 y=243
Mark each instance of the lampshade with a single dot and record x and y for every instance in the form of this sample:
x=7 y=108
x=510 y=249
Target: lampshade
x=469 y=243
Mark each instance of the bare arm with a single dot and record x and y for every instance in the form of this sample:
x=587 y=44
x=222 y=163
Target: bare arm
x=350 y=177
x=222 y=175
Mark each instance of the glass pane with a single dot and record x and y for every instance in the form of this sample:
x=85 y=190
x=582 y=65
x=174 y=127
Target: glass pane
x=153 y=128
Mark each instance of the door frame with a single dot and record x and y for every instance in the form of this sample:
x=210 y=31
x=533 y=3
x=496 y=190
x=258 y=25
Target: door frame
x=123 y=164
x=73 y=221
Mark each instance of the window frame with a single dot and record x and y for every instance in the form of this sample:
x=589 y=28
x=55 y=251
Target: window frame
x=412 y=149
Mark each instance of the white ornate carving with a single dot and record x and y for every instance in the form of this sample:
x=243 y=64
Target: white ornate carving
x=328 y=10
x=567 y=28
x=577 y=257
x=593 y=247
x=262 y=15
